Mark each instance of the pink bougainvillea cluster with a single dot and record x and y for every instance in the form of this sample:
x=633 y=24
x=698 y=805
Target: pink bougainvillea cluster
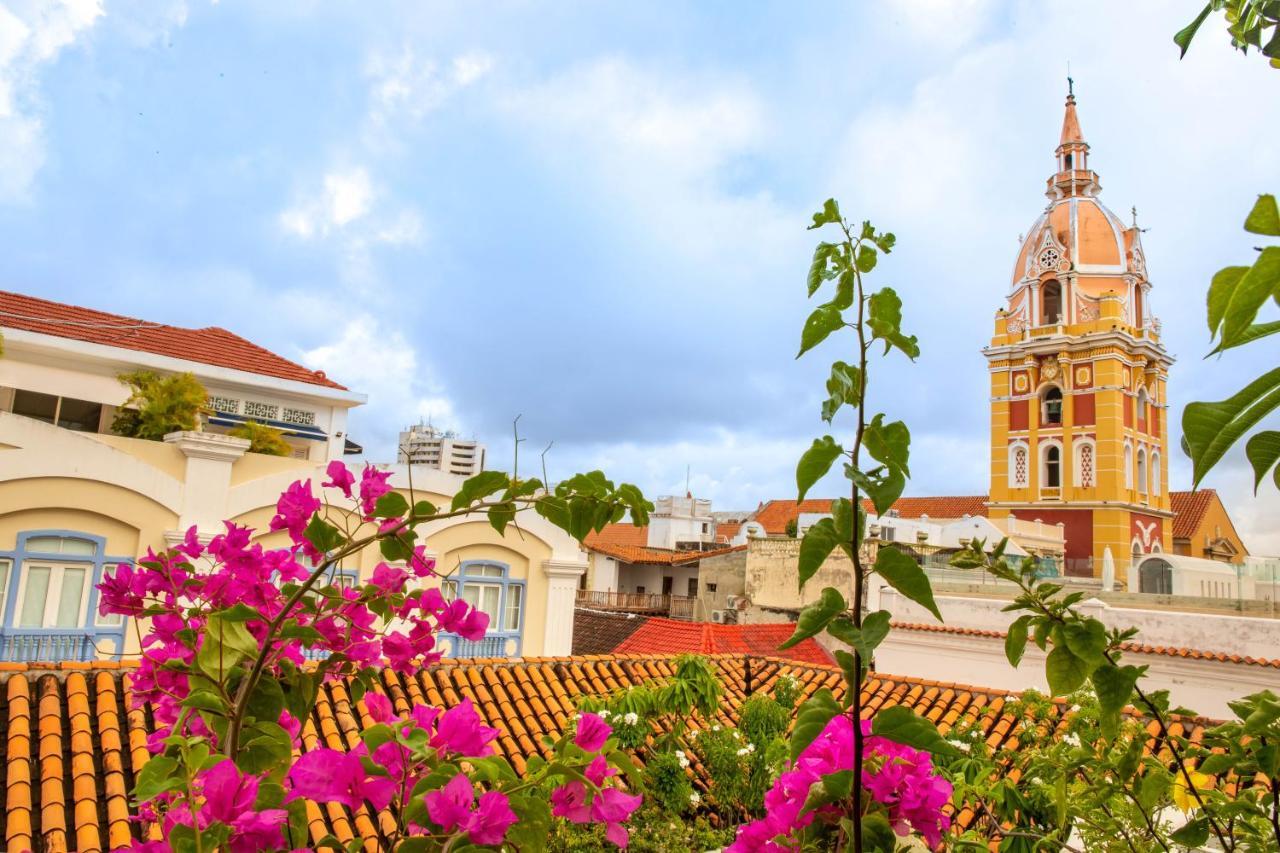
x=225 y=617
x=899 y=778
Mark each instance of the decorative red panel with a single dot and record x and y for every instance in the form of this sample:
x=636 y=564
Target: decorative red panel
x=1018 y=414
x=1083 y=412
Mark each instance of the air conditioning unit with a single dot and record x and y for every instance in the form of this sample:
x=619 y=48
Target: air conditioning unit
x=731 y=601
x=717 y=616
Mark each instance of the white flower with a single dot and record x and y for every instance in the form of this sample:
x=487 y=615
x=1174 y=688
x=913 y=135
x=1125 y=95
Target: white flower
x=960 y=745
x=680 y=757
x=716 y=727
x=747 y=750
x=1011 y=698
x=1075 y=708
x=737 y=736
x=631 y=718
x=604 y=715
x=693 y=734
x=1071 y=739
x=695 y=798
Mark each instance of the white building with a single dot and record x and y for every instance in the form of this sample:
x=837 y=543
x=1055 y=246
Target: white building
x=443 y=450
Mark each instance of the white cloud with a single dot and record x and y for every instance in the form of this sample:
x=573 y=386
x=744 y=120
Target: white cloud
x=374 y=359
x=345 y=208
x=405 y=85
x=949 y=23
x=32 y=35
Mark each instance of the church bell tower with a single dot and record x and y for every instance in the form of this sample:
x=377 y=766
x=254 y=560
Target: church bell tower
x=1079 y=426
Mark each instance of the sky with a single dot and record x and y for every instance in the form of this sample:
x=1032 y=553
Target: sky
x=591 y=215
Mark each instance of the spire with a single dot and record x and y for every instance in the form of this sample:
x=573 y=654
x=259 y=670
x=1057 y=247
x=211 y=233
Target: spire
x=1073 y=177
x=1070 y=122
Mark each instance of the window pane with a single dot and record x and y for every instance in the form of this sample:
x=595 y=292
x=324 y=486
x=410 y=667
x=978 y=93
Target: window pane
x=33 y=404
x=79 y=415
x=61 y=545
x=515 y=596
x=486 y=571
x=34 y=596
x=4 y=585
x=489 y=597
x=69 y=603
x=449 y=590
x=471 y=594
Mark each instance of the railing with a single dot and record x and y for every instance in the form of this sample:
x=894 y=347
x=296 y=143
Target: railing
x=675 y=606
x=493 y=645
x=39 y=644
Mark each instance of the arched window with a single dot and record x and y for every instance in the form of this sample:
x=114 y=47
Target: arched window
x=1085 y=464
x=1018 y=466
x=487 y=585
x=1155 y=472
x=1052 y=470
x=1142 y=471
x=1142 y=410
x=1052 y=300
x=1128 y=465
x=1051 y=406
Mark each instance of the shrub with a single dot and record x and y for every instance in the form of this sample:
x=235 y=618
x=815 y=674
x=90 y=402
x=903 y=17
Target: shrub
x=263 y=439
x=159 y=405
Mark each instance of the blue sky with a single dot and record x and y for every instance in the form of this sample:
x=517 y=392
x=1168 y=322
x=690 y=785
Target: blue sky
x=592 y=214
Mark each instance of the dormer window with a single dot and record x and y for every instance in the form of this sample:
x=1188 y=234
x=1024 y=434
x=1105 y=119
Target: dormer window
x=1051 y=407
x=1052 y=303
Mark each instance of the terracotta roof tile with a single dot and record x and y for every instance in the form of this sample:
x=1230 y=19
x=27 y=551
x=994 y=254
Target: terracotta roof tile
x=1189 y=509
x=659 y=556
x=673 y=637
x=105 y=759
x=596 y=632
x=775 y=514
x=1135 y=648
x=210 y=345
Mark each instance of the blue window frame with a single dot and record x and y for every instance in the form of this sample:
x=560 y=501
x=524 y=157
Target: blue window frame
x=49 y=599
x=487 y=585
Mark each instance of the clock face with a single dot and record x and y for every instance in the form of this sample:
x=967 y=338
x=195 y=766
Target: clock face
x=1050 y=370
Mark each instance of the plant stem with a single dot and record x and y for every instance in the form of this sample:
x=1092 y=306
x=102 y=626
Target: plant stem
x=858 y=580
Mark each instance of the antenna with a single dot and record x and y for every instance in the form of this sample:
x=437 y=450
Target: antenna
x=686 y=479
x=1070 y=83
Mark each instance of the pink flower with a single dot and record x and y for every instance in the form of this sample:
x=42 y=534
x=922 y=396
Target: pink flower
x=451 y=808
x=613 y=807
x=330 y=776
x=379 y=707
x=340 y=477
x=460 y=730
x=191 y=544
x=117 y=592
x=421 y=564
x=373 y=485
x=461 y=619
x=229 y=796
x=570 y=801
x=294 y=510
x=388 y=580
x=599 y=770
x=592 y=732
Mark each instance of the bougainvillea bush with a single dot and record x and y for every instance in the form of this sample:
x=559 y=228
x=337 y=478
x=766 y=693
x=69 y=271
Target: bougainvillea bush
x=240 y=639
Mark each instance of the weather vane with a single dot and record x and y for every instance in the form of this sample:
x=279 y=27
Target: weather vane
x=1070 y=83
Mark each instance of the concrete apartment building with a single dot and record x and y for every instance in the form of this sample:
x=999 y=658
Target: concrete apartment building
x=443 y=450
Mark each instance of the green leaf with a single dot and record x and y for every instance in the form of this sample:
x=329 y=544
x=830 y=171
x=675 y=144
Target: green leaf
x=848 y=535
x=1265 y=217
x=818 y=269
x=875 y=627
x=885 y=322
x=225 y=644
x=821 y=323
x=323 y=535
x=1087 y=640
x=844 y=389
x=816 y=616
x=1210 y=429
x=391 y=505
x=902 y=725
x=904 y=575
x=160 y=774
x=1193 y=834
x=866 y=260
x=1259 y=282
x=480 y=486
x=1114 y=686
x=883 y=487
x=1221 y=287
x=811 y=718
x=877 y=835
x=266 y=747
x=1263 y=450
x=818 y=543
x=1065 y=671
x=815 y=463
x=1153 y=786
x=1015 y=642
x=1184 y=36
x=830 y=213
x=889 y=443
x=1251 y=334
x=267 y=700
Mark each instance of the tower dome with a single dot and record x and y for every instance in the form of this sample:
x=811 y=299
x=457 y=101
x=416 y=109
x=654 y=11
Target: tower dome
x=1077 y=243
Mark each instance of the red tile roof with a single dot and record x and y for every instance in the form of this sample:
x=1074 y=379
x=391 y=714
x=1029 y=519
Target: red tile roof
x=672 y=637
x=774 y=515
x=1189 y=509
x=71 y=744
x=1135 y=648
x=625 y=533
x=726 y=530
x=210 y=345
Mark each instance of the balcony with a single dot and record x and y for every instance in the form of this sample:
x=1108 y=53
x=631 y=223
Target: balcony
x=652 y=604
x=30 y=645
x=495 y=644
